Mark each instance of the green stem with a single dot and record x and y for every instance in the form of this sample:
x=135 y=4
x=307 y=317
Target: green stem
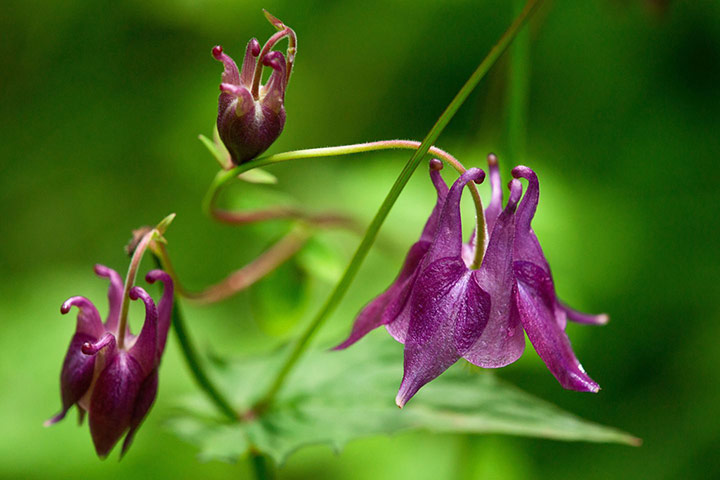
x=129 y=282
x=198 y=372
x=225 y=176
x=392 y=196
x=518 y=93
x=262 y=466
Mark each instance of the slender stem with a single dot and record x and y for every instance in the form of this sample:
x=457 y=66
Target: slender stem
x=129 y=282
x=392 y=196
x=262 y=466
x=198 y=372
x=225 y=176
x=518 y=94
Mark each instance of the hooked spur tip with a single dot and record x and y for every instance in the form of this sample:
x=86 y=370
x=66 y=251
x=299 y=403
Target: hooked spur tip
x=492 y=159
x=274 y=60
x=436 y=164
x=521 y=171
x=217 y=52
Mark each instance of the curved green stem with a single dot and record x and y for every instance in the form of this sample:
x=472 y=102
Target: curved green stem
x=518 y=94
x=224 y=176
x=364 y=247
x=193 y=361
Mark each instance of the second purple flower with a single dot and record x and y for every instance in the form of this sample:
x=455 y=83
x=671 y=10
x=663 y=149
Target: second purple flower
x=442 y=310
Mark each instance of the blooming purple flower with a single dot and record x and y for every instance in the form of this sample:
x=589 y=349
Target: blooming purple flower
x=116 y=386
x=442 y=310
x=250 y=115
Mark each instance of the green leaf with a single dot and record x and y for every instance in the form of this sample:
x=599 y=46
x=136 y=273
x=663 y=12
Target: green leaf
x=258 y=175
x=335 y=397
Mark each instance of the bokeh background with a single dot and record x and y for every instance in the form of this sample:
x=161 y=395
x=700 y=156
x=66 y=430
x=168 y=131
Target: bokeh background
x=102 y=103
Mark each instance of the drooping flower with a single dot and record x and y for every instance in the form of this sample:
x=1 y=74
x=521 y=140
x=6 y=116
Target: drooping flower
x=458 y=312
x=250 y=115
x=443 y=310
x=115 y=384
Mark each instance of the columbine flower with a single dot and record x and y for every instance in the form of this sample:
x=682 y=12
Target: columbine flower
x=442 y=310
x=250 y=115
x=114 y=381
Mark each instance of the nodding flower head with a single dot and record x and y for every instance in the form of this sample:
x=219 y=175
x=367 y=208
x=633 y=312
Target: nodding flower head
x=113 y=377
x=442 y=309
x=250 y=115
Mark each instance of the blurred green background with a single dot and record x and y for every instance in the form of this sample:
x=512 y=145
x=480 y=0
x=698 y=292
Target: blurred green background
x=101 y=106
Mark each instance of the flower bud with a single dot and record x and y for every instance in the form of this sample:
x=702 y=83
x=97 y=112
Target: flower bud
x=250 y=115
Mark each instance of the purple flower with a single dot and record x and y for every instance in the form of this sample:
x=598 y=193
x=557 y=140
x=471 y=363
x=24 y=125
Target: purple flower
x=442 y=310
x=116 y=386
x=250 y=115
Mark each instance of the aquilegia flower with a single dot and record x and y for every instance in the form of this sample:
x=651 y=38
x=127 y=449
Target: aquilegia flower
x=114 y=381
x=442 y=310
x=250 y=115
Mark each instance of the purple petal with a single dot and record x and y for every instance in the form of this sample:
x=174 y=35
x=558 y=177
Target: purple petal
x=93 y=347
x=145 y=349
x=496 y=199
x=165 y=307
x=249 y=62
x=230 y=74
x=115 y=293
x=448 y=237
x=113 y=401
x=442 y=190
x=535 y=307
x=502 y=341
x=88 y=319
x=376 y=312
x=274 y=90
x=527 y=246
x=449 y=312
x=76 y=375
x=586 y=318
x=145 y=399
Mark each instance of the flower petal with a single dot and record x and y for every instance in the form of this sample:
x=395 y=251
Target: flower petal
x=373 y=315
x=164 y=308
x=273 y=94
x=249 y=62
x=527 y=246
x=586 y=318
x=496 y=199
x=115 y=293
x=230 y=73
x=145 y=349
x=442 y=190
x=535 y=307
x=448 y=236
x=113 y=401
x=145 y=399
x=388 y=307
x=449 y=312
x=502 y=341
x=76 y=375
x=88 y=319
